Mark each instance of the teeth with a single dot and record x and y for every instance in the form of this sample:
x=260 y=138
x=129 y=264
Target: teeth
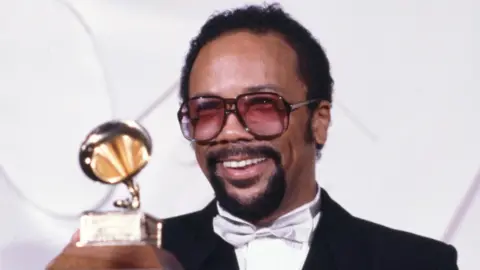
x=242 y=163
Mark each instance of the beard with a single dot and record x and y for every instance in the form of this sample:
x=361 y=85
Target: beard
x=259 y=206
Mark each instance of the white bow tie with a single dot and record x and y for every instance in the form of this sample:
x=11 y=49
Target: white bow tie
x=296 y=226
x=239 y=234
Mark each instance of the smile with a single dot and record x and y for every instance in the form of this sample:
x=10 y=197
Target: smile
x=243 y=169
x=238 y=164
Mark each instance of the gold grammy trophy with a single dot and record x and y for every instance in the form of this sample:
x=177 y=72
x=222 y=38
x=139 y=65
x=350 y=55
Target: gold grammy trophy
x=114 y=153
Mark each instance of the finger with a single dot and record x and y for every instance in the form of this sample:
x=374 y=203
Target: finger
x=75 y=236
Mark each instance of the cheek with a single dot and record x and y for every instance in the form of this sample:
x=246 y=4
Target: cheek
x=201 y=160
x=293 y=142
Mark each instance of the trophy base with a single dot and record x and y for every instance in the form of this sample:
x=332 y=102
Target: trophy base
x=119 y=228
x=116 y=240
x=114 y=257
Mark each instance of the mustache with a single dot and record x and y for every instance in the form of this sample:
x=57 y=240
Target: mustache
x=243 y=150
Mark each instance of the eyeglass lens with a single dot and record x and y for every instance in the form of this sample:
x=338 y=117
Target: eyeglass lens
x=262 y=114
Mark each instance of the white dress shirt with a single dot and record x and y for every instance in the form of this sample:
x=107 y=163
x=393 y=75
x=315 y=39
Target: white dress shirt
x=282 y=246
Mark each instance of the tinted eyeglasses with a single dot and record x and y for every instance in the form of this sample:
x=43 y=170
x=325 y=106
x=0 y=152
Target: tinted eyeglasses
x=264 y=115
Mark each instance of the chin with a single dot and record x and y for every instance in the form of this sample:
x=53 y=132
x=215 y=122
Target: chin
x=246 y=197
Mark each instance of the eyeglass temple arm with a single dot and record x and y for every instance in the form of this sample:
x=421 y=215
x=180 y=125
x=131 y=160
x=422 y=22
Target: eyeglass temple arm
x=303 y=103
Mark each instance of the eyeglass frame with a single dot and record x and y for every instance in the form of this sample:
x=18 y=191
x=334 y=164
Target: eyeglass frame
x=233 y=102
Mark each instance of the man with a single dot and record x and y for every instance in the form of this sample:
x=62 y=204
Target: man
x=257 y=94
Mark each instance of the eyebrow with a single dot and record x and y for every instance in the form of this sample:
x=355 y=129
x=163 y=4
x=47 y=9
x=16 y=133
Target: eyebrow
x=251 y=89
x=264 y=87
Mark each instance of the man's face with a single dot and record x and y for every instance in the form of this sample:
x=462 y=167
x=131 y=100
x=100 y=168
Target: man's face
x=253 y=177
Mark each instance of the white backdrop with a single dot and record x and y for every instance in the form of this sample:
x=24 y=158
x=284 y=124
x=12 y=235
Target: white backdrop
x=403 y=149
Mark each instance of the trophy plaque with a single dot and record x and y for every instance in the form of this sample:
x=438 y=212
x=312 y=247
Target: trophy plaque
x=113 y=154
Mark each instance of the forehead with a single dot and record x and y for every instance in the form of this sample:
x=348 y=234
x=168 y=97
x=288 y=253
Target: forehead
x=240 y=61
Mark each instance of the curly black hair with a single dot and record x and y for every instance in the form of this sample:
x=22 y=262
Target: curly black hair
x=313 y=64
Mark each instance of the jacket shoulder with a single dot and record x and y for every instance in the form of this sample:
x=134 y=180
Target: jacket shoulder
x=405 y=250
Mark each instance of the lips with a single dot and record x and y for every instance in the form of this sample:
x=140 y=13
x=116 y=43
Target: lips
x=239 y=169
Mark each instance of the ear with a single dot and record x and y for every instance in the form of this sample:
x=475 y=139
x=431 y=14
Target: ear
x=321 y=121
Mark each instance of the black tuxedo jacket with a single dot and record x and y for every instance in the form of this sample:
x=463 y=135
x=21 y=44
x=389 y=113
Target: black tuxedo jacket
x=341 y=242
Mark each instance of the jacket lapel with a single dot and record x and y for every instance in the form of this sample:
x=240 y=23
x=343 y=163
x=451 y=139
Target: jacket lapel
x=337 y=243
x=209 y=250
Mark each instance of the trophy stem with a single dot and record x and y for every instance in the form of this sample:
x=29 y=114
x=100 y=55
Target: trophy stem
x=132 y=203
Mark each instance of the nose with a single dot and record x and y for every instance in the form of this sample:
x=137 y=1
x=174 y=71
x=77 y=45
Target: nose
x=233 y=130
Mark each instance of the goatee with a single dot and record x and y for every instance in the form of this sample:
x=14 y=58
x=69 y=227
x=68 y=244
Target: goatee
x=260 y=206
